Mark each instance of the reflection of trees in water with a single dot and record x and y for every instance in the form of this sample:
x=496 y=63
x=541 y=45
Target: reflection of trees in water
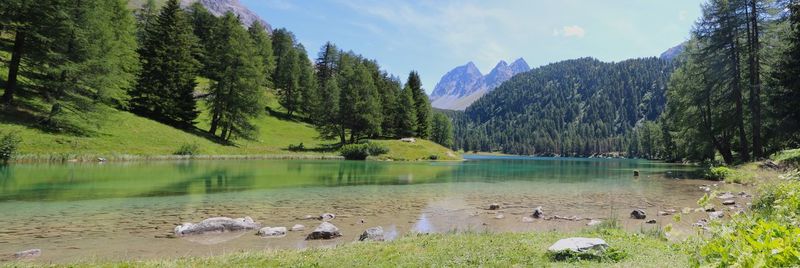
x=5 y=177
x=379 y=173
x=215 y=181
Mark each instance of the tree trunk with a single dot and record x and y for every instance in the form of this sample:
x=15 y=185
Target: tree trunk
x=13 y=68
x=744 y=152
x=755 y=79
x=342 y=136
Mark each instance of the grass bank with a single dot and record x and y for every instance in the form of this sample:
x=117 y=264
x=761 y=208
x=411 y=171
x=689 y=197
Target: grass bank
x=438 y=250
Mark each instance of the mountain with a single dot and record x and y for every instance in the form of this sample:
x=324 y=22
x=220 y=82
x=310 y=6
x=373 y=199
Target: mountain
x=577 y=107
x=216 y=7
x=465 y=84
x=673 y=52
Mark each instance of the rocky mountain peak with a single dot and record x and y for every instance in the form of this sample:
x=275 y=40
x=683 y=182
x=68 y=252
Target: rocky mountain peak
x=520 y=66
x=465 y=84
x=220 y=7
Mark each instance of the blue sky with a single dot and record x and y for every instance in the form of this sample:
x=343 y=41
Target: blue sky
x=433 y=37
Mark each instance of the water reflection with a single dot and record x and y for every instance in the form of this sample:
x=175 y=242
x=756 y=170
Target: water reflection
x=43 y=182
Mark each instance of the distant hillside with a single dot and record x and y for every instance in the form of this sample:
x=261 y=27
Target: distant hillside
x=673 y=52
x=218 y=8
x=465 y=84
x=575 y=107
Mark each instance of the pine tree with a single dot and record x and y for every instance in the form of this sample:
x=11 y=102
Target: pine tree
x=287 y=71
x=786 y=98
x=307 y=82
x=263 y=45
x=421 y=104
x=442 y=132
x=165 y=87
x=406 y=115
x=145 y=16
x=326 y=114
x=236 y=95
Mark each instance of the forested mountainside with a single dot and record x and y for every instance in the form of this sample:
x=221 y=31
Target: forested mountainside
x=216 y=7
x=576 y=107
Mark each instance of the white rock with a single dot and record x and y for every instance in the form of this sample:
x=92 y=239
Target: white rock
x=272 y=231
x=578 y=244
x=594 y=222
x=298 y=227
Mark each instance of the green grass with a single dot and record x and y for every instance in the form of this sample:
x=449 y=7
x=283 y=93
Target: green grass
x=419 y=150
x=789 y=157
x=439 y=250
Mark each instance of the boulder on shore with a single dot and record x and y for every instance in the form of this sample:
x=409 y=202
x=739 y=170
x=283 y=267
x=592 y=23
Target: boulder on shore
x=578 y=244
x=372 y=234
x=638 y=214
x=216 y=225
x=272 y=231
x=326 y=230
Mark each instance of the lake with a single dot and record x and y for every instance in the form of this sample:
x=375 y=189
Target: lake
x=128 y=210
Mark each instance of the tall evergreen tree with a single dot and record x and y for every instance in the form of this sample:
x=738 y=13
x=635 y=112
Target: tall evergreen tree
x=166 y=84
x=263 y=45
x=422 y=105
x=204 y=25
x=327 y=117
x=287 y=71
x=145 y=16
x=307 y=82
x=442 y=130
x=786 y=98
x=406 y=115
x=236 y=95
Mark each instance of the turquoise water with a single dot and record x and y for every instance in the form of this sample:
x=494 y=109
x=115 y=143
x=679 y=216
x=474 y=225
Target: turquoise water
x=128 y=210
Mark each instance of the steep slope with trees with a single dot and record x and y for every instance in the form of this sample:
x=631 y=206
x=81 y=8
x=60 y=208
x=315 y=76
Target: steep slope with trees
x=577 y=107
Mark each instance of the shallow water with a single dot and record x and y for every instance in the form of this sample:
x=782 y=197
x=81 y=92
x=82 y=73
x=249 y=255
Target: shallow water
x=128 y=210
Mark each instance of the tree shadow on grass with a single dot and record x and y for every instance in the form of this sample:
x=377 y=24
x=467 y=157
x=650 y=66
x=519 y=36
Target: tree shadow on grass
x=284 y=116
x=322 y=148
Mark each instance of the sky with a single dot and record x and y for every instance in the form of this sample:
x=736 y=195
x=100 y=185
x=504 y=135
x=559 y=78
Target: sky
x=434 y=36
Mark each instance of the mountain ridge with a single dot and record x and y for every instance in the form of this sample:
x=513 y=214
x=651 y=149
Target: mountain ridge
x=465 y=84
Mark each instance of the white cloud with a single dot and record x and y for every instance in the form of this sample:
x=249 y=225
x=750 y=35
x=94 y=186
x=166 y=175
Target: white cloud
x=570 y=31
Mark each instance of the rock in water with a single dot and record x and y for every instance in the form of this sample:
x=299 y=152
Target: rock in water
x=716 y=214
x=578 y=244
x=326 y=230
x=327 y=217
x=27 y=254
x=298 y=227
x=499 y=216
x=651 y=222
x=594 y=222
x=538 y=212
x=494 y=206
x=729 y=202
x=725 y=196
x=272 y=231
x=527 y=219
x=636 y=173
x=216 y=225
x=372 y=234
x=638 y=214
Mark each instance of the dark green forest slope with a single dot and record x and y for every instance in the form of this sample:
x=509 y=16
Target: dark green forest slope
x=576 y=107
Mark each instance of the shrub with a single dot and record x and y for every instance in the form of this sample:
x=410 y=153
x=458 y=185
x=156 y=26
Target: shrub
x=433 y=157
x=718 y=173
x=188 y=149
x=295 y=148
x=375 y=149
x=768 y=237
x=354 y=152
x=9 y=142
x=362 y=151
x=610 y=254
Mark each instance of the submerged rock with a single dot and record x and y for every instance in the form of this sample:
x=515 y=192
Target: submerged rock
x=372 y=234
x=727 y=195
x=594 y=222
x=499 y=216
x=578 y=244
x=272 y=231
x=327 y=217
x=326 y=230
x=651 y=222
x=28 y=254
x=494 y=206
x=298 y=227
x=729 y=202
x=638 y=214
x=527 y=219
x=538 y=212
x=216 y=225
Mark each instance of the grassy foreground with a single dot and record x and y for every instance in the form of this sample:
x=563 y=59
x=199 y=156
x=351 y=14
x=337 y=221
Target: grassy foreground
x=437 y=250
